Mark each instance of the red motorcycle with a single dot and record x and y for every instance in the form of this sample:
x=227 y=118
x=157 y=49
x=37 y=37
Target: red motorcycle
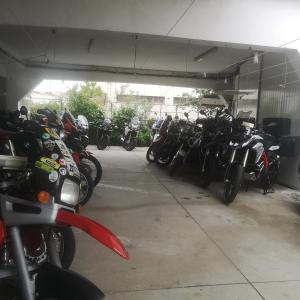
x=20 y=221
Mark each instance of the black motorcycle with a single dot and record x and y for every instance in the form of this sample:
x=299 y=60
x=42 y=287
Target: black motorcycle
x=254 y=157
x=104 y=133
x=165 y=150
x=158 y=137
x=189 y=139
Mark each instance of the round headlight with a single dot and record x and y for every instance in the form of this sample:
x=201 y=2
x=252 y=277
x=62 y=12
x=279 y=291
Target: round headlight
x=70 y=192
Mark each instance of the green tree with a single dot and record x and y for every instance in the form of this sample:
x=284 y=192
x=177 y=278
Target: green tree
x=82 y=101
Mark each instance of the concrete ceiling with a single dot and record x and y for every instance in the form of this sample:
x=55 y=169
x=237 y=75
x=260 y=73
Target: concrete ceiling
x=116 y=49
x=139 y=40
x=266 y=23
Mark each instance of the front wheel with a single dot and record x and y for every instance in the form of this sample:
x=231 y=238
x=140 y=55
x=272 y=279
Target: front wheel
x=130 y=146
x=233 y=181
x=94 y=167
x=65 y=244
x=209 y=172
x=150 y=154
x=86 y=185
x=102 y=142
x=175 y=164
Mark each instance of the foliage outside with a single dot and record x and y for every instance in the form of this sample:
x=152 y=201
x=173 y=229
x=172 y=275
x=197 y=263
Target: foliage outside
x=82 y=101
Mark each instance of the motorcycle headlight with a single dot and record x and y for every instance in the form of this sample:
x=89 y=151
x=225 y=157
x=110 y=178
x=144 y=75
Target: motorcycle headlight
x=70 y=192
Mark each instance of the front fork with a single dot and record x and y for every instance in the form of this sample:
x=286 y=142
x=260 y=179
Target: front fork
x=26 y=282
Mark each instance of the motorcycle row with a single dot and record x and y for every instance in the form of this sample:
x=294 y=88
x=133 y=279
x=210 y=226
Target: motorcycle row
x=128 y=138
x=46 y=174
x=221 y=148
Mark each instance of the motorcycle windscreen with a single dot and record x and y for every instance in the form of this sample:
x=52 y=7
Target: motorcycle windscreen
x=55 y=283
x=94 y=229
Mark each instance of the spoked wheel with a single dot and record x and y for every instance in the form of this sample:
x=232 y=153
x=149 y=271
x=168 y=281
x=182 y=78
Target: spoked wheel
x=86 y=186
x=129 y=146
x=37 y=252
x=93 y=166
x=150 y=154
x=233 y=181
x=103 y=142
x=65 y=245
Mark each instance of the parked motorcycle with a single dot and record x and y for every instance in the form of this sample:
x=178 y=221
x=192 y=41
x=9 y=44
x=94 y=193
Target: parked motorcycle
x=166 y=148
x=190 y=138
x=39 y=195
x=159 y=136
x=104 y=133
x=129 y=137
x=254 y=157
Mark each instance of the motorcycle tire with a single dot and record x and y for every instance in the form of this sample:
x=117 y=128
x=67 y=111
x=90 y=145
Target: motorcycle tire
x=94 y=167
x=130 y=146
x=233 y=181
x=67 y=245
x=163 y=157
x=86 y=186
x=208 y=174
x=102 y=142
x=175 y=165
x=150 y=154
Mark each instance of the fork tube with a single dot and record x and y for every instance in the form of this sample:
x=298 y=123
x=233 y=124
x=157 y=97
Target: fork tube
x=53 y=253
x=246 y=158
x=20 y=261
x=232 y=156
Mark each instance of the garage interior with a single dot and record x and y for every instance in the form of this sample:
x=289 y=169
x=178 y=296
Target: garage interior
x=183 y=242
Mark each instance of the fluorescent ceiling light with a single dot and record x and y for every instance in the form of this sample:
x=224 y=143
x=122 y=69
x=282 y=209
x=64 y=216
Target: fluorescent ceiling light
x=204 y=54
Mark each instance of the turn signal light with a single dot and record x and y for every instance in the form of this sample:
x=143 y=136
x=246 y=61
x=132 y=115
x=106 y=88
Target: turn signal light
x=44 y=197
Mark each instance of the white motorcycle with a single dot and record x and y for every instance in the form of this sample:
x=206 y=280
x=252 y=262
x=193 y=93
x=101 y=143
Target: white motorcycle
x=131 y=131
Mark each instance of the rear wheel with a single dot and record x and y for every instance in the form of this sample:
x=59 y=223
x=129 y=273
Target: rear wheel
x=94 y=167
x=233 y=181
x=86 y=186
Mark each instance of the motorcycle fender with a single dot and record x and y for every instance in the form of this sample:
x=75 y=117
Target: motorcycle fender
x=94 y=229
x=85 y=153
x=76 y=157
x=2 y=233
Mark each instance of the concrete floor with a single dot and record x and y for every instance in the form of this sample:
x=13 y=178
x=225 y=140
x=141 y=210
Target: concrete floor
x=183 y=242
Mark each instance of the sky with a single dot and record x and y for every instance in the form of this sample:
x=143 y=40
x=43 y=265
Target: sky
x=61 y=86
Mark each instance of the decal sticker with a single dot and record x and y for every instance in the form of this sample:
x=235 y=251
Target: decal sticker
x=62 y=162
x=53 y=176
x=73 y=170
x=51 y=162
x=41 y=165
x=63 y=148
x=45 y=136
x=50 y=145
x=52 y=133
x=63 y=171
x=54 y=156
